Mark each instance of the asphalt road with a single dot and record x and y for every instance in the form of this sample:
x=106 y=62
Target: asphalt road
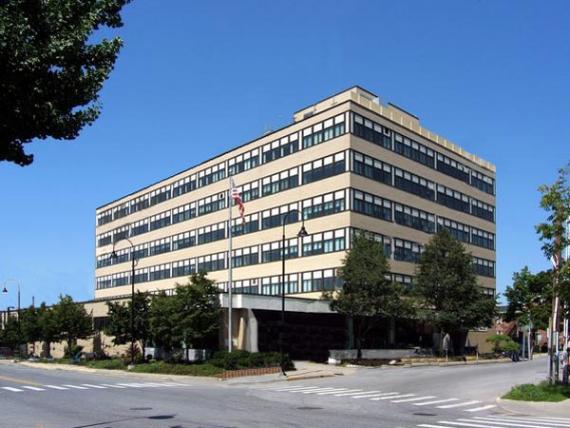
x=428 y=397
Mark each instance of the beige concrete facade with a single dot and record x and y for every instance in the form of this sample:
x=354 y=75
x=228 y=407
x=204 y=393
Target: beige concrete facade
x=334 y=120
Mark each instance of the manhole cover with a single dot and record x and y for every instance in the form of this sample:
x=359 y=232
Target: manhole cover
x=309 y=408
x=140 y=408
x=424 y=414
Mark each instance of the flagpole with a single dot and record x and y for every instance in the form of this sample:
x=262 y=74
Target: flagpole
x=230 y=276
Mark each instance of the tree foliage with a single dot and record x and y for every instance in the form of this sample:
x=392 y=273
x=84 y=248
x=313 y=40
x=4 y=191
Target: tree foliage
x=9 y=336
x=72 y=322
x=367 y=290
x=50 y=73
x=446 y=288
x=30 y=325
x=529 y=298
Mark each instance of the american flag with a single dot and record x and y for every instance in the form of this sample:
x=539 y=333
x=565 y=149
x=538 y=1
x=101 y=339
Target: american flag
x=236 y=197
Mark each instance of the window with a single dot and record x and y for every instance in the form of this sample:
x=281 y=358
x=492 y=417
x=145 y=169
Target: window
x=184 y=185
x=482 y=238
x=414 y=218
x=159 y=246
x=120 y=279
x=323 y=168
x=484 y=267
x=121 y=211
x=452 y=199
x=183 y=268
x=324 y=131
x=140 y=203
x=104 y=260
x=330 y=203
x=371 y=205
x=320 y=280
x=159 y=272
x=120 y=233
x=385 y=241
x=459 y=231
x=141 y=275
x=414 y=184
x=250 y=225
x=140 y=251
x=371 y=131
x=104 y=218
x=280 y=148
x=482 y=182
x=249 y=191
x=245 y=256
x=160 y=220
x=183 y=240
x=275 y=216
x=404 y=280
x=183 y=213
x=212 y=262
x=372 y=168
x=482 y=210
x=211 y=175
x=414 y=151
x=211 y=233
x=123 y=256
x=160 y=195
x=243 y=162
x=325 y=242
x=407 y=251
x=272 y=285
x=212 y=204
x=272 y=252
x=452 y=168
x=139 y=227
x=104 y=282
x=104 y=239
x=280 y=182
x=246 y=286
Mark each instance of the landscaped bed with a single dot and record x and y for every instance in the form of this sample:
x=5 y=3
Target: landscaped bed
x=541 y=392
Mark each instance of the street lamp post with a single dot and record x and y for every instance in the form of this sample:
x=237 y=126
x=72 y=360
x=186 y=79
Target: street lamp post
x=302 y=232
x=132 y=321
x=5 y=291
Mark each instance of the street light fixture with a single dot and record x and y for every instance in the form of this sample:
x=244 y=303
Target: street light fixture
x=302 y=233
x=5 y=291
x=134 y=262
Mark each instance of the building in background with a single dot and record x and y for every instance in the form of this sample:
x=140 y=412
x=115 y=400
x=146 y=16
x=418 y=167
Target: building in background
x=348 y=162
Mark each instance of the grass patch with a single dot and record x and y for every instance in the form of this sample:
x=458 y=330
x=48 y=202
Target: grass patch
x=113 y=364
x=541 y=392
x=196 y=369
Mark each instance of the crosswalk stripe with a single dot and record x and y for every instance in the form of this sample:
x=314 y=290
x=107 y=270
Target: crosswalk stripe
x=314 y=391
x=534 y=419
x=333 y=391
x=466 y=424
x=452 y=406
x=113 y=386
x=61 y=388
x=75 y=387
x=447 y=400
x=407 y=400
x=478 y=409
x=432 y=426
x=377 y=395
x=9 y=388
x=353 y=393
x=294 y=388
x=129 y=385
x=88 y=385
x=551 y=418
x=527 y=422
x=285 y=388
x=33 y=388
x=394 y=396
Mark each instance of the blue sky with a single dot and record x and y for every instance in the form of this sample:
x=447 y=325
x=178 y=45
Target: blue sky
x=197 y=78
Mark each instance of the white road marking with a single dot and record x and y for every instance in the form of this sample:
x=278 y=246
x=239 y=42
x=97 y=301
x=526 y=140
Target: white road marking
x=130 y=385
x=452 y=406
x=393 y=396
x=352 y=394
x=478 y=409
x=61 y=388
x=75 y=387
x=465 y=424
x=407 y=400
x=88 y=385
x=432 y=426
x=509 y=422
x=314 y=391
x=377 y=395
x=334 y=391
x=9 y=388
x=293 y=388
x=113 y=386
x=33 y=388
x=447 y=400
x=285 y=388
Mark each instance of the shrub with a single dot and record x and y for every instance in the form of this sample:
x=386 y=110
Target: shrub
x=244 y=360
x=112 y=364
x=540 y=392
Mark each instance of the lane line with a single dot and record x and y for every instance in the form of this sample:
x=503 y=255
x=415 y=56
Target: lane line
x=479 y=409
x=377 y=395
x=88 y=385
x=432 y=426
x=33 y=388
x=390 y=397
x=20 y=381
x=113 y=386
x=447 y=400
x=407 y=400
x=75 y=387
x=61 y=388
x=452 y=406
x=9 y=388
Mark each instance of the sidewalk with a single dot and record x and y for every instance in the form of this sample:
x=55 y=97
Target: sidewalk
x=532 y=408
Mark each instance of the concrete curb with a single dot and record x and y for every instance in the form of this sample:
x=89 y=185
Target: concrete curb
x=307 y=377
x=534 y=408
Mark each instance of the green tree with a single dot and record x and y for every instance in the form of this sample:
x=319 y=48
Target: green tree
x=119 y=325
x=9 y=335
x=367 y=294
x=529 y=298
x=72 y=322
x=50 y=73
x=49 y=327
x=162 y=321
x=447 y=291
x=30 y=325
x=196 y=311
